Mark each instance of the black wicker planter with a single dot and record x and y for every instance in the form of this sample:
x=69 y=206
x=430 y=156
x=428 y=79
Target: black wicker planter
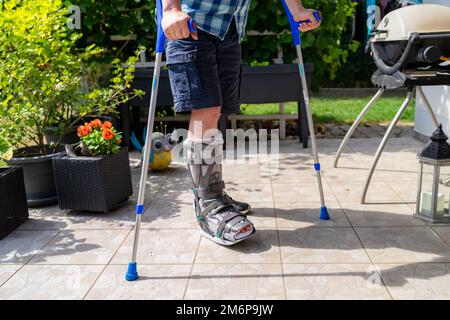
x=96 y=184
x=38 y=176
x=13 y=200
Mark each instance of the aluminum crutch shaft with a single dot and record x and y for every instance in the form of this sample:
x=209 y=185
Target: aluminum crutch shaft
x=297 y=42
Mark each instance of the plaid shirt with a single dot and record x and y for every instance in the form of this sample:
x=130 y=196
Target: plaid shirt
x=216 y=16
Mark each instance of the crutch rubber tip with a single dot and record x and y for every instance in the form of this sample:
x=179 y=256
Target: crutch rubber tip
x=324 y=214
x=131 y=274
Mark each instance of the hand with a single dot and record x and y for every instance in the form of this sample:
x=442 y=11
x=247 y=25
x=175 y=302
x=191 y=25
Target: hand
x=307 y=14
x=175 y=25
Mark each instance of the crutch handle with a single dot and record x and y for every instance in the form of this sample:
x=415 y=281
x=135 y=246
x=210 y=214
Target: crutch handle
x=191 y=25
x=295 y=24
x=160 y=36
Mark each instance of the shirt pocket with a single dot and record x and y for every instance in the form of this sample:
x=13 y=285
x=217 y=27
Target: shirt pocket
x=184 y=76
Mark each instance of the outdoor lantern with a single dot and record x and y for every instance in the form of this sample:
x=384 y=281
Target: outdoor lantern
x=433 y=192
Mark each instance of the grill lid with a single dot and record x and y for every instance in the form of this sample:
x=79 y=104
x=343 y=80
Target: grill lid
x=399 y=24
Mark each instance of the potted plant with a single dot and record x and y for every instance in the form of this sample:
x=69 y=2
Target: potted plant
x=47 y=81
x=13 y=201
x=95 y=175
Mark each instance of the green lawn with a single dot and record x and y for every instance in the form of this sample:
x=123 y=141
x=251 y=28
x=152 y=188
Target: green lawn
x=341 y=110
x=2 y=164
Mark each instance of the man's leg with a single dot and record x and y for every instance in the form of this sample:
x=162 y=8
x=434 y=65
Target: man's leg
x=203 y=121
x=195 y=84
x=204 y=125
x=219 y=219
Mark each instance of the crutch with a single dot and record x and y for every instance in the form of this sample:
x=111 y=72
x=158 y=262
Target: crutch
x=297 y=42
x=132 y=273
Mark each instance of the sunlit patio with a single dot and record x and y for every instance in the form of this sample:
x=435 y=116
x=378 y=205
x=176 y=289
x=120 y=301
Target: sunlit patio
x=372 y=251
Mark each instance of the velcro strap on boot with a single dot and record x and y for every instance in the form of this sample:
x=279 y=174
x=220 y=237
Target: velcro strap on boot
x=223 y=224
x=212 y=191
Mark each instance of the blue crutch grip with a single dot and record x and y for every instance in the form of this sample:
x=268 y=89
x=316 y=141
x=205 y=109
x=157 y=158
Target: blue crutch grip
x=160 y=36
x=191 y=26
x=295 y=25
x=131 y=274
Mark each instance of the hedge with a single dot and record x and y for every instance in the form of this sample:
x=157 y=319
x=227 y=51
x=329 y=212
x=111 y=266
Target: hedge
x=327 y=48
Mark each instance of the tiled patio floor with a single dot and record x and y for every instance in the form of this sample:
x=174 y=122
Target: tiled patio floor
x=374 y=251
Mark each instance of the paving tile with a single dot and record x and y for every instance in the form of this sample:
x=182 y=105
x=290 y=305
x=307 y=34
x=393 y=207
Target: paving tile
x=417 y=281
x=307 y=214
x=403 y=245
x=81 y=247
x=380 y=215
x=292 y=175
x=161 y=282
x=443 y=232
x=333 y=282
x=174 y=193
x=407 y=174
x=377 y=192
x=302 y=191
x=263 y=247
x=236 y=281
x=250 y=192
x=44 y=282
x=20 y=246
x=246 y=173
x=262 y=215
x=406 y=189
x=177 y=246
x=6 y=271
x=47 y=218
x=321 y=245
x=344 y=175
x=119 y=218
x=169 y=216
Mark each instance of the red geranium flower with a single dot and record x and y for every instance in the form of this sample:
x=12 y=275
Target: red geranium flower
x=96 y=123
x=83 y=131
x=108 y=134
x=107 y=125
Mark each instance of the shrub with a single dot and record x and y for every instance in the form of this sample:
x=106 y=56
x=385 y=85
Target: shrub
x=326 y=48
x=43 y=79
x=103 y=18
x=5 y=150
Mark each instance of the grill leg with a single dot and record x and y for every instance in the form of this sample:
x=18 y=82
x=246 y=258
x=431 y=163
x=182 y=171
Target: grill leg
x=428 y=106
x=356 y=124
x=388 y=133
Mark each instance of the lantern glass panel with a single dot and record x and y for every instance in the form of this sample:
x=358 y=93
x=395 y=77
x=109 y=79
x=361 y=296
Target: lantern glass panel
x=430 y=194
x=426 y=190
x=444 y=187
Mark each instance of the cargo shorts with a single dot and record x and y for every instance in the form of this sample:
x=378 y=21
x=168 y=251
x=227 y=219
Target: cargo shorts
x=206 y=72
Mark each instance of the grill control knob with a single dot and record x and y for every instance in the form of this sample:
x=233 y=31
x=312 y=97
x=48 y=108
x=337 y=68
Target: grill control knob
x=429 y=54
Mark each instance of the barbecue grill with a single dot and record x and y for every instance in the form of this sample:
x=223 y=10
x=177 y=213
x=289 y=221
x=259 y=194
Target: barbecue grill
x=411 y=49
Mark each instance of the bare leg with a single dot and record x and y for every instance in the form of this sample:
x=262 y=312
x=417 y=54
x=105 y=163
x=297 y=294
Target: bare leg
x=203 y=121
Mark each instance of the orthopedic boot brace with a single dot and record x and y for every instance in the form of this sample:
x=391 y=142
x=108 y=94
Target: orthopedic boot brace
x=217 y=218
